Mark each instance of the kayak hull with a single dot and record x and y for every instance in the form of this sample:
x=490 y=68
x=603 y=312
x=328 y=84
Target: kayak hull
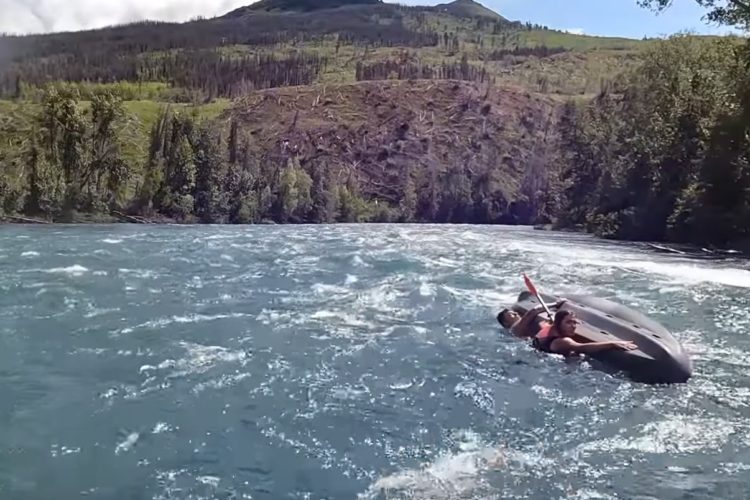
x=659 y=359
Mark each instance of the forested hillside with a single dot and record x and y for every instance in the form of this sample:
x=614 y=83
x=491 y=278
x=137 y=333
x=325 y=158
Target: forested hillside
x=357 y=110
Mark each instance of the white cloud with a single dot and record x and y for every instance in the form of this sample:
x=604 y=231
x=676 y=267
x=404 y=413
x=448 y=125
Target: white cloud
x=42 y=16
x=575 y=31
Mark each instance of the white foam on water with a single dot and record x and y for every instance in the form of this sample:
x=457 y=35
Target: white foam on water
x=201 y=358
x=74 y=270
x=358 y=262
x=349 y=392
x=351 y=279
x=212 y=481
x=215 y=237
x=222 y=382
x=138 y=273
x=451 y=475
x=109 y=394
x=200 y=318
x=734 y=397
x=191 y=318
x=128 y=443
x=420 y=330
x=427 y=289
x=329 y=290
x=439 y=262
x=677 y=434
x=479 y=298
x=161 y=427
x=274 y=317
x=680 y=273
x=732 y=468
x=589 y=494
x=112 y=241
x=401 y=386
x=30 y=254
x=382 y=299
x=94 y=312
x=481 y=398
x=57 y=450
x=340 y=317
x=96 y=351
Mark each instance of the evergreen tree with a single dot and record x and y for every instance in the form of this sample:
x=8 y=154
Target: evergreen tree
x=208 y=167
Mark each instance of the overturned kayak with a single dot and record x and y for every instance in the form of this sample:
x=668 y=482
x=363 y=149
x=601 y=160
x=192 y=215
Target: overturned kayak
x=659 y=357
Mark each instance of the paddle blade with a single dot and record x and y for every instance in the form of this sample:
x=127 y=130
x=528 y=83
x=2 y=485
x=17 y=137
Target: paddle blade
x=535 y=293
x=530 y=285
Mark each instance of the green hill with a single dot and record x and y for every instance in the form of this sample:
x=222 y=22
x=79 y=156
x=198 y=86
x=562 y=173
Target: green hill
x=370 y=89
x=297 y=6
x=452 y=110
x=468 y=8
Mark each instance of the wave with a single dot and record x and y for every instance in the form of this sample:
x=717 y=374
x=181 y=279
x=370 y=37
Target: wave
x=127 y=444
x=458 y=474
x=160 y=428
x=74 y=270
x=191 y=318
x=685 y=273
x=676 y=434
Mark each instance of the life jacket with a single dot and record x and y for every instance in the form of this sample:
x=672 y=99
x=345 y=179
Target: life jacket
x=544 y=338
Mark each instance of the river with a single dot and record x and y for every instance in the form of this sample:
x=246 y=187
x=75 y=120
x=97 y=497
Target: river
x=352 y=362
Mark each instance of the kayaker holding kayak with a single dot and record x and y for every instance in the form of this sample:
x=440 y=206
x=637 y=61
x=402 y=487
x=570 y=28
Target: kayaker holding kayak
x=611 y=334
x=557 y=338
x=554 y=337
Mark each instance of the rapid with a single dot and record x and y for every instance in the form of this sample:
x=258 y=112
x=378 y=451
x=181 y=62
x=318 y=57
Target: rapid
x=353 y=362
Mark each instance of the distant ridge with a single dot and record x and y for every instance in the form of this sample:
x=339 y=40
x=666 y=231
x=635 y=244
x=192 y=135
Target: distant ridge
x=296 y=6
x=469 y=8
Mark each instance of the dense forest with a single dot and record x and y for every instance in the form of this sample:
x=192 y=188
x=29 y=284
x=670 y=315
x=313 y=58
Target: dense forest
x=658 y=153
x=666 y=155
x=674 y=163
x=195 y=171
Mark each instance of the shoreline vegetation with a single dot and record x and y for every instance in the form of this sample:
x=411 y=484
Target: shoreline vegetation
x=373 y=112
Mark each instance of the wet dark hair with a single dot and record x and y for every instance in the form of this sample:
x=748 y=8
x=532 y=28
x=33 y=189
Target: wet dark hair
x=501 y=316
x=560 y=317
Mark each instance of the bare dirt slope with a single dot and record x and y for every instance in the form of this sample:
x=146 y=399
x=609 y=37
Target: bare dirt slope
x=385 y=130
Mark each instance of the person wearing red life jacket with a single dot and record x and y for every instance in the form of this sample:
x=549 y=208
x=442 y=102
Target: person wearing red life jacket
x=557 y=338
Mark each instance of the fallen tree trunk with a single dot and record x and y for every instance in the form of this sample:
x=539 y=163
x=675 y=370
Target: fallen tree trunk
x=132 y=218
x=28 y=220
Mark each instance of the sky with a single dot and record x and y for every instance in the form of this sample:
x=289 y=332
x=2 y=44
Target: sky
x=593 y=17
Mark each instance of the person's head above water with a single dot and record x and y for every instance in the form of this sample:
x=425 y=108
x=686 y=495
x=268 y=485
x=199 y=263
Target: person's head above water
x=565 y=323
x=507 y=317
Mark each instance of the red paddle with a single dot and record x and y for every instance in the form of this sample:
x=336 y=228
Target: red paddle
x=535 y=293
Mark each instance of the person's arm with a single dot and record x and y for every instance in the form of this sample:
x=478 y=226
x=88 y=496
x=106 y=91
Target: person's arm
x=567 y=344
x=528 y=319
x=523 y=327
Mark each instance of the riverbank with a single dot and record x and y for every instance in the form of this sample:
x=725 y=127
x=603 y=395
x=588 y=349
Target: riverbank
x=739 y=248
